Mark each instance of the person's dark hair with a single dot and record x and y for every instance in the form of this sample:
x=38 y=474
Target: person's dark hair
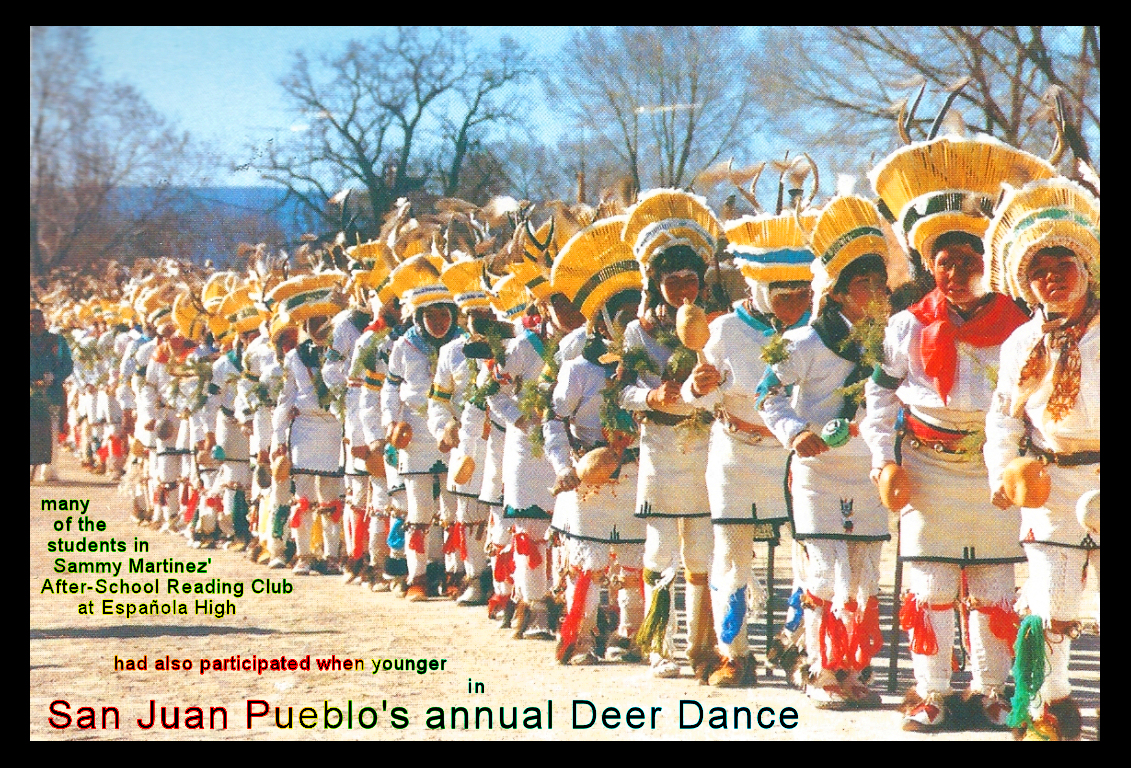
x=790 y=285
x=673 y=259
x=453 y=327
x=903 y=296
x=1055 y=250
x=871 y=263
x=628 y=299
x=957 y=237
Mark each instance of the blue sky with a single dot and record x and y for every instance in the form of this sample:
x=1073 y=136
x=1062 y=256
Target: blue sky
x=221 y=84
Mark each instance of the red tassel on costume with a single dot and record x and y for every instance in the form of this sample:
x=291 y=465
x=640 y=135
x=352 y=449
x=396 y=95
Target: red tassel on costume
x=297 y=510
x=496 y=602
x=571 y=627
x=188 y=505
x=117 y=446
x=913 y=619
x=416 y=540
x=335 y=509
x=865 y=637
x=524 y=545
x=357 y=541
x=504 y=565
x=1004 y=623
x=834 y=635
x=456 y=541
x=103 y=452
x=215 y=503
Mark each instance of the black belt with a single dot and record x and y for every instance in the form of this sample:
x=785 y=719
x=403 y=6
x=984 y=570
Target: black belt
x=1078 y=459
x=627 y=456
x=664 y=419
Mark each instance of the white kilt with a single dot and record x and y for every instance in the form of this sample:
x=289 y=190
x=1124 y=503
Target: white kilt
x=672 y=478
x=421 y=456
x=491 y=489
x=475 y=446
x=746 y=483
x=316 y=443
x=167 y=463
x=527 y=479
x=1056 y=522
x=602 y=514
x=232 y=439
x=833 y=498
x=950 y=517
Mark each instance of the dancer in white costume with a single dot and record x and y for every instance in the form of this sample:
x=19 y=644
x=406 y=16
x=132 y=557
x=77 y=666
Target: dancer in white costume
x=509 y=299
x=404 y=408
x=277 y=501
x=836 y=515
x=447 y=401
x=304 y=427
x=346 y=329
x=745 y=465
x=1044 y=245
x=927 y=406
x=386 y=566
x=604 y=542
x=672 y=494
x=528 y=475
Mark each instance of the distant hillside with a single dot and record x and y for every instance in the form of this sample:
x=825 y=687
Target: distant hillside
x=216 y=204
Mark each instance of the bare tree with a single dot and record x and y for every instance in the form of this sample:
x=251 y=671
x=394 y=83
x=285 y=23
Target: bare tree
x=104 y=164
x=669 y=101
x=844 y=86
x=393 y=115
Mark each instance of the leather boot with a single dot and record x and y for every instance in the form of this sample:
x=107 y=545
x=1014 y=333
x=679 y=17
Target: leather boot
x=702 y=651
x=520 y=619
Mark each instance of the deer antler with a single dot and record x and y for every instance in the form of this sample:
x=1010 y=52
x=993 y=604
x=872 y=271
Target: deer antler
x=906 y=116
x=954 y=88
x=783 y=166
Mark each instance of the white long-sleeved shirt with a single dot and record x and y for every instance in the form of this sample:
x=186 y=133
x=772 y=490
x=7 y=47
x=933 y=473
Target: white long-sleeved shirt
x=298 y=393
x=409 y=379
x=967 y=402
x=577 y=399
x=369 y=363
x=449 y=387
x=735 y=350
x=634 y=397
x=816 y=373
x=1079 y=430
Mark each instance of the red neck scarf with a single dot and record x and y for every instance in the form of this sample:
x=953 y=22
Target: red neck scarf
x=991 y=325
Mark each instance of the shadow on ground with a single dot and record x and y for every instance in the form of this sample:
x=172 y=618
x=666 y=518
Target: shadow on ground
x=127 y=631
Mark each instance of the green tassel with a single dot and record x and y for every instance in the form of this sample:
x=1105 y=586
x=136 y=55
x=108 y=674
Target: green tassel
x=653 y=630
x=239 y=513
x=279 y=520
x=1028 y=669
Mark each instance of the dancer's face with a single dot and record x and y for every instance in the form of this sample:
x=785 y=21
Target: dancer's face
x=677 y=287
x=958 y=274
x=437 y=321
x=1058 y=279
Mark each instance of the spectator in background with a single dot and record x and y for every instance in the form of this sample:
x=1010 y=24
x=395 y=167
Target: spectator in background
x=50 y=365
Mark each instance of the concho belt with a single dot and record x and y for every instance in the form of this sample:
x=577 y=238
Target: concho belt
x=741 y=430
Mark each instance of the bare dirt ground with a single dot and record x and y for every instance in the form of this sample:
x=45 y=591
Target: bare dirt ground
x=72 y=658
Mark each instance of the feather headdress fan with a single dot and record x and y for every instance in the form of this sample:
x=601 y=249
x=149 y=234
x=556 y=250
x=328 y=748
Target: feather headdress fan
x=594 y=265
x=950 y=184
x=666 y=217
